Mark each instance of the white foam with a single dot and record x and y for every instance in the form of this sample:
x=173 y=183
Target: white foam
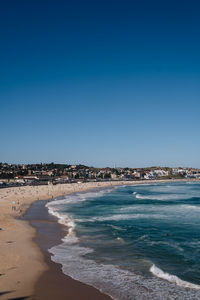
x=172 y=278
x=192 y=182
x=120 y=217
x=136 y=208
x=120 y=284
x=191 y=207
x=62 y=219
x=116 y=227
x=55 y=206
x=78 y=197
x=67 y=221
x=163 y=197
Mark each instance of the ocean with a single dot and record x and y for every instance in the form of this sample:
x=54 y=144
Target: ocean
x=133 y=242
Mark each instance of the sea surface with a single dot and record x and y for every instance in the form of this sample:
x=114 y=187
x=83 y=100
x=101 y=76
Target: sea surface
x=133 y=242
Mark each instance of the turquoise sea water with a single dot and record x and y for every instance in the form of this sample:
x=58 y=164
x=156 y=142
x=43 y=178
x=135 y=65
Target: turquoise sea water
x=133 y=242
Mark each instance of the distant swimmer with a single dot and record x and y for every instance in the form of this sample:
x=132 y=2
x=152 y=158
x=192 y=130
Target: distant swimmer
x=120 y=239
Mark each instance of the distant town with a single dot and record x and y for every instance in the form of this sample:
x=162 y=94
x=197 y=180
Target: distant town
x=52 y=173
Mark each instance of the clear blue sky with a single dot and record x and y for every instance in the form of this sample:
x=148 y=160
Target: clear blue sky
x=100 y=82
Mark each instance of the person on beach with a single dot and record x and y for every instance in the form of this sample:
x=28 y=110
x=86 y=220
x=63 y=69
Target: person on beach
x=13 y=205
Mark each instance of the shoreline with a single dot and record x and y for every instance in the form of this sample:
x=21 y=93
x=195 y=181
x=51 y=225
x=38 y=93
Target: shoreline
x=53 y=283
x=19 y=252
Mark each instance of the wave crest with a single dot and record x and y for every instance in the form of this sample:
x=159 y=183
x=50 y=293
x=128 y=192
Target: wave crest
x=163 y=197
x=172 y=278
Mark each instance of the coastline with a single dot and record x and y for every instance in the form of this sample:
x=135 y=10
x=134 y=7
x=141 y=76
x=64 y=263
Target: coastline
x=19 y=252
x=53 y=283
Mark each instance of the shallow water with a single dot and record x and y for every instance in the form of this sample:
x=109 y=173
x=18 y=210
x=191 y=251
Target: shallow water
x=133 y=242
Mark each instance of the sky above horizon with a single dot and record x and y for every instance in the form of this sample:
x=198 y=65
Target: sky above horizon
x=100 y=82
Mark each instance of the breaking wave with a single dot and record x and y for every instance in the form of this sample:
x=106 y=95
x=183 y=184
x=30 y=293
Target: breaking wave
x=163 y=196
x=172 y=278
x=121 y=217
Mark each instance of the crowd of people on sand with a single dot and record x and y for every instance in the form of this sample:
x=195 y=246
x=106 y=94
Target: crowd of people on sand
x=43 y=192
x=48 y=191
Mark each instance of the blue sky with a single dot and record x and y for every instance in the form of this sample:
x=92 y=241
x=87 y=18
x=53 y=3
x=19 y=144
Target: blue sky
x=100 y=82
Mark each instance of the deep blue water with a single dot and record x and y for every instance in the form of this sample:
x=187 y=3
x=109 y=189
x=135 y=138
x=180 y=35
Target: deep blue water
x=131 y=241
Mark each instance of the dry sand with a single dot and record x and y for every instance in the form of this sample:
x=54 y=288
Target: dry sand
x=21 y=260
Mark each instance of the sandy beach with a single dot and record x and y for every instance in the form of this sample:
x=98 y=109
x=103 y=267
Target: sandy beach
x=18 y=251
x=22 y=262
